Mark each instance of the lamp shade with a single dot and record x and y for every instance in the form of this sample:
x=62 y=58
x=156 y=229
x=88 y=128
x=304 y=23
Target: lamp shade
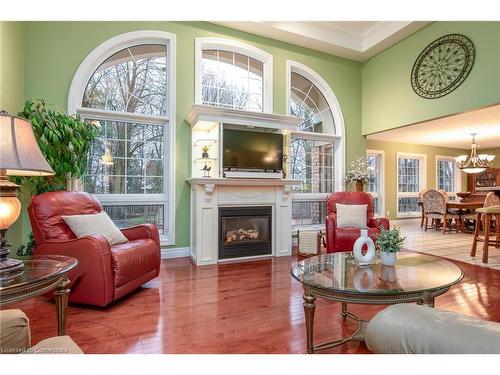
x=19 y=151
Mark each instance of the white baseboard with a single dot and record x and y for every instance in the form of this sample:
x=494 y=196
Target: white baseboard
x=175 y=252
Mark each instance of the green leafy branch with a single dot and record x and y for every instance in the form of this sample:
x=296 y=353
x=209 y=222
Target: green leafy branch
x=64 y=141
x=390 y=241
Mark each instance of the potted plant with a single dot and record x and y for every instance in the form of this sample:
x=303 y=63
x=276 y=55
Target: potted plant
x=64 y=141
x=360 y=172
x=204 y=152
x=389 y=243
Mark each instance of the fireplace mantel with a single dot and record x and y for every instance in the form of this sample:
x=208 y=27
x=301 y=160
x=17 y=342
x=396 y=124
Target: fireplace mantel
x=209 y=184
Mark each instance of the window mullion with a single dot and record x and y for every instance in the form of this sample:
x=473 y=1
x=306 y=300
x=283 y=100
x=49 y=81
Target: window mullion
x=125 y=178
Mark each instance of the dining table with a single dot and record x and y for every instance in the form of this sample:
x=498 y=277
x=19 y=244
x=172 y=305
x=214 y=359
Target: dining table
x=463 y=206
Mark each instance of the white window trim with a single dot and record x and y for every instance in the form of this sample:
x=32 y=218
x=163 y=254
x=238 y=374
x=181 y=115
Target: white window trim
x=338 y=117
x=83 y=74
x=380 y=194
x=422 y=182
x=457 y=181
x=230 y=45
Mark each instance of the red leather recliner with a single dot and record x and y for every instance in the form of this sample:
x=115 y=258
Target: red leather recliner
x=342 y=239
x=104 y=273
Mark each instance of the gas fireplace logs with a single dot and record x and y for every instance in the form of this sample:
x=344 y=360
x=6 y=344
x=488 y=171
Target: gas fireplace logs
x=241 y=234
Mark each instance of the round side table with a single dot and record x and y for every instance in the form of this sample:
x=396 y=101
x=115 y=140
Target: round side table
x=41 y=275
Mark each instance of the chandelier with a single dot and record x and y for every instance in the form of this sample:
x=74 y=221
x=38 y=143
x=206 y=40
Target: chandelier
x=474 y=163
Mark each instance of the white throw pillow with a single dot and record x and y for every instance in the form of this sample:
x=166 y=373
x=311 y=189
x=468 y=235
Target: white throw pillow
x=351 y=215
x=101 y=223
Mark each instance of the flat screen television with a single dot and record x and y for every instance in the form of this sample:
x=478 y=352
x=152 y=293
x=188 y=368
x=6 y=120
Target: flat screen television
x=252 y=150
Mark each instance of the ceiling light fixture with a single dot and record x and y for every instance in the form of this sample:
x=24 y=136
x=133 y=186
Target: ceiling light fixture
x=474 y=163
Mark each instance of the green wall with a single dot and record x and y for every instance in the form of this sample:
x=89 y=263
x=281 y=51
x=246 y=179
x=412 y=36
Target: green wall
x=54 y=50
x=388 y=98
x=390 y=167
x=12 y=47
x=12 y=43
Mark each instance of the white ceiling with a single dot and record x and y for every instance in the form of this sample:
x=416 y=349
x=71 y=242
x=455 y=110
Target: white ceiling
x=357 y=40
x=452 y=131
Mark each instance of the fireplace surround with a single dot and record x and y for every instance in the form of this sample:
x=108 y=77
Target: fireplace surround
x=209 y=195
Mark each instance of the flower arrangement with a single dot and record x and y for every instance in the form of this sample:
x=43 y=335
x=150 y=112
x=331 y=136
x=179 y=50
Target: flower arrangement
x=360 y=171
x=390 y=241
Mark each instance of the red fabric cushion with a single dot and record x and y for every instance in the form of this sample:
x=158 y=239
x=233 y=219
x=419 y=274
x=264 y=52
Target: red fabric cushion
x=48 y=208
x=133 y=259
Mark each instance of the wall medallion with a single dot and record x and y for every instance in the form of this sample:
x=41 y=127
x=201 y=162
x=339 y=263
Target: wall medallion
x=442 y=66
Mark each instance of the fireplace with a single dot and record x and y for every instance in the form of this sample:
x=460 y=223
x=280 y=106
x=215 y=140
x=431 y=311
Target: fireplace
x=245 y=231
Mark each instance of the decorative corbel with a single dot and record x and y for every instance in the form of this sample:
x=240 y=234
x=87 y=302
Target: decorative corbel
x=209 y=189
x=287 y=189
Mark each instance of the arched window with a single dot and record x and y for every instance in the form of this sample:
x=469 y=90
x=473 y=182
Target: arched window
x=316 y=149
x=126 y=87
x=232 y=74
x=308 y=102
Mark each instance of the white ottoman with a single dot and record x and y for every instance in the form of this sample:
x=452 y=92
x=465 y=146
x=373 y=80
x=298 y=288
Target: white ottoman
x=414 y=329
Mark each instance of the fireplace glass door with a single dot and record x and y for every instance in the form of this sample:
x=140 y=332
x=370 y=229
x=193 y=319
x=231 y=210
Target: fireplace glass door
x=244 y=231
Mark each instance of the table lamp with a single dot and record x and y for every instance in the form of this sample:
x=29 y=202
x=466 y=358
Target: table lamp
x=19 y=156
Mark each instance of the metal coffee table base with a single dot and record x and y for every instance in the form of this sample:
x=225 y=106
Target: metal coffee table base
x=310 y=293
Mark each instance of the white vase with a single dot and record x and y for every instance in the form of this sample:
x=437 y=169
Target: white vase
x=388 y=259
x=364 y=259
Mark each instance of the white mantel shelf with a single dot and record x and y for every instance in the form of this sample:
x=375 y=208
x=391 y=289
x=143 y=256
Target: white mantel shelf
x=243 y=181
x=207 y=113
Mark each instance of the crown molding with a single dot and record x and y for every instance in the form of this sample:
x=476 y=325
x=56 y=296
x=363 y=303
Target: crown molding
x=336 y=39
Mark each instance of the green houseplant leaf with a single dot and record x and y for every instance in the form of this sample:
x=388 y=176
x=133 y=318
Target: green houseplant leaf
x=64 y=141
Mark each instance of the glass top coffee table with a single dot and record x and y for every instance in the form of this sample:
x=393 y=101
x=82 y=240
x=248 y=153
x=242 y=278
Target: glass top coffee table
x=338 y=277
x=40 y=275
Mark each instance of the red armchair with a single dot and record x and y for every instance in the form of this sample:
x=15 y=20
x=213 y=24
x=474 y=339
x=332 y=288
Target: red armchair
x=342 y=239
x=104 y=273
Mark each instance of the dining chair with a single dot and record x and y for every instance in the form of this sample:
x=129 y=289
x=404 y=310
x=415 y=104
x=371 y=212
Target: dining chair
x=421 y=200
x=445 y=194
x=434 y=204
x=490 y=200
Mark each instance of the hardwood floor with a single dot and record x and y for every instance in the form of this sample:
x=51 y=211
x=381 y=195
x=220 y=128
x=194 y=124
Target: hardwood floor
x=249 y=307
